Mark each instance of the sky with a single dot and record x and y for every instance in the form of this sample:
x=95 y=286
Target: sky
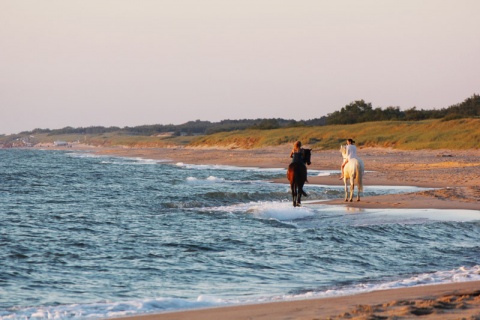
x=84 y=63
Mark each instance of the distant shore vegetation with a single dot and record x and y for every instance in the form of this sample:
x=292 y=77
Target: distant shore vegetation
x=455 y=127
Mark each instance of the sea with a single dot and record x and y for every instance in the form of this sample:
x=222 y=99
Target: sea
x=85 y=236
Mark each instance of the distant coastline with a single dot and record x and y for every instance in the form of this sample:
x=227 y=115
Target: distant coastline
x=456 y=134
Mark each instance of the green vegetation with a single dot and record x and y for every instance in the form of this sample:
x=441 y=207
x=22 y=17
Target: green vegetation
x=455 y=127
x=413 y=135
x=360 y=111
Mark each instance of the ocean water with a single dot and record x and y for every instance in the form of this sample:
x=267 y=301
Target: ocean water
x=89 y=237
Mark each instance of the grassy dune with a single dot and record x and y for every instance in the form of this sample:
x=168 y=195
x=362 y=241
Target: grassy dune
x=415 y=135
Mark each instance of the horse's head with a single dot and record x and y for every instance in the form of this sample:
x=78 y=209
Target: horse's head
x=343 y=150
x=307 y=154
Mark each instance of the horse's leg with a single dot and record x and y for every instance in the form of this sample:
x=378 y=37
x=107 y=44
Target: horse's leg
x=346 y=188
x=359 y=179
x=293 y=187
x=352 y=188
x=299 y=194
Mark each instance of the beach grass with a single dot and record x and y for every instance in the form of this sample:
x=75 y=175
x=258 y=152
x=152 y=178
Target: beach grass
x=408 y=135
x=455 y=134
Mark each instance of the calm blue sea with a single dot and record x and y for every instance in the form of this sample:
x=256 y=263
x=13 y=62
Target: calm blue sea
x=85 y=236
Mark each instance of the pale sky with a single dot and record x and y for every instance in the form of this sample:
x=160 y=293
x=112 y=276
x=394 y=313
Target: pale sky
x=123 y=63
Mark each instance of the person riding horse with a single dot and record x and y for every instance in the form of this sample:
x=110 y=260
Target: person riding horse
x=351 y=152
x=297 y=156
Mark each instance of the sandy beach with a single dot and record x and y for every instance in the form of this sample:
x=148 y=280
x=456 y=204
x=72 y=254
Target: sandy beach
x=454 y=177
x=449 y=301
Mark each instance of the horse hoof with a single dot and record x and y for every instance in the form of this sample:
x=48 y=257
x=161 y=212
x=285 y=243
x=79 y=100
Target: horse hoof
x=351 y=200
x=358 y=200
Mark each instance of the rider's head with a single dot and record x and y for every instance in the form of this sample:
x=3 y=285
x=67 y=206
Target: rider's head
x=297 y=145
x=350 y=141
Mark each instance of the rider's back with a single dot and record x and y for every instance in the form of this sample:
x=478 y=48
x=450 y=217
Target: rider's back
x=351 y=151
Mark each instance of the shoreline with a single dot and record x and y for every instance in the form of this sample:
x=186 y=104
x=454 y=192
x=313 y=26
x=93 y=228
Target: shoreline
x=454 y=176
x=441 y=301
x=454 y=179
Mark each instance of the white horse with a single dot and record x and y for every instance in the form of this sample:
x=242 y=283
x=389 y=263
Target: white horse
x=353 y=171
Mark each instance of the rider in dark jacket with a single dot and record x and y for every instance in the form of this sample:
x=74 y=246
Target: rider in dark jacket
x=297 y=157
x=297 y=153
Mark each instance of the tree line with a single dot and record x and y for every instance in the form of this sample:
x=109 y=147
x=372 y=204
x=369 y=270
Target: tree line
x=355 y=112
x=190 y=128
x=360 y=111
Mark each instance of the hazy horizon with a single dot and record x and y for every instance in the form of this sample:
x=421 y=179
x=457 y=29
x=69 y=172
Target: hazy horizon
x=125 y=63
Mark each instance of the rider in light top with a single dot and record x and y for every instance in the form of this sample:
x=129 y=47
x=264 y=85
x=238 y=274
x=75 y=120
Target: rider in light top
x=351 y=153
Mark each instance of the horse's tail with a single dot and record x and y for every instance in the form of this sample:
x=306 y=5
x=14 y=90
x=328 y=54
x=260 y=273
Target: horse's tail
x=290 y=172
x=359 y=176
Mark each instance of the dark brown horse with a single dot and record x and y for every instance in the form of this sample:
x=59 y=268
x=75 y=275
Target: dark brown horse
x=297 y=175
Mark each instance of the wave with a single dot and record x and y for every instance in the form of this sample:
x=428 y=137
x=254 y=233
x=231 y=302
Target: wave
x=314 y=214
x=461 y=274
x=281 y=211
x=323 y=173
x=139 y=160
x=214 y=180
x=254 y=169
x=133 y=161
x=162 y=304
x=110 y=309
x=118 y=160
x=226 y=167
x=209 y=180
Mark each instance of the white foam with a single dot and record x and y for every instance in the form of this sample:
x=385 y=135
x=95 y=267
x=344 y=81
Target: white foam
x=346 y=215
x=323 y=173
x=214 y=180
x=118 y=159
x=84 y=155
x=111 y=309
x=450 y=215
x=281 y=211
x=225 y=167
x=462 y=274
x=209 y=180
x=140 y=160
